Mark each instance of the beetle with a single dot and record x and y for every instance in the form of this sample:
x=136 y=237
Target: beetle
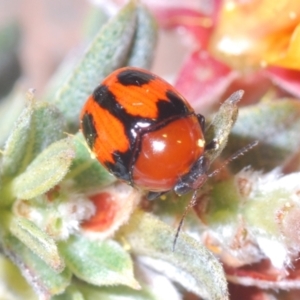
x=146 y=133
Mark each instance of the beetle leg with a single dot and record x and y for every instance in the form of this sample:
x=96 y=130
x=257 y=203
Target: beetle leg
x=201 y=120
x=194 y=179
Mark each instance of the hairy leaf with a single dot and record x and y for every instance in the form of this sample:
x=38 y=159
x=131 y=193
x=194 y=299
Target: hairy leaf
x=38 y=241
x=13 y=284
x=221 y=125
x=39 y=125
x=99 y=262
x=191 y=264
x=45 y=171
x=86 y=171
x=39 y=275
x=107 y=52
x=142 y=51
x=275 y=125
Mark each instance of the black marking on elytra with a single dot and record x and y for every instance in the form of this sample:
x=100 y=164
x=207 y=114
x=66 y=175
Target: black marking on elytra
x=174 y=107
x=89 y=130
x=135 y=126
x=106 y=99
x=121 y=167
x=134 y=77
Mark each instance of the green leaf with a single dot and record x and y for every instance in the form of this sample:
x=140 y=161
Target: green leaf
x=10 y=68
x=99 y=262
x=221 y=125
x=107 y=52
x=12 y=283
x=275 y=124
x=38 y=241
x=10 y=109
x=142 y=51
x=45 y=171
x=154 y=287
x=191 y=264
x=87 y=172
x=39 y=125
x=95 y=19
x=73 y=293
x=90 y=292
x=42 y=278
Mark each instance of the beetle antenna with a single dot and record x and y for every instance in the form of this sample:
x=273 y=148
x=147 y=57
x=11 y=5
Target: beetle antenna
x=234 y=156
x=193 y=201
x=186 y=210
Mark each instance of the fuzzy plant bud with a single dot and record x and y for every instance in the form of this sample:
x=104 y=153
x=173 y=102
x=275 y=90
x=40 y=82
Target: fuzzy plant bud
x=256 y=217
x=65 y=211
x=113 y=207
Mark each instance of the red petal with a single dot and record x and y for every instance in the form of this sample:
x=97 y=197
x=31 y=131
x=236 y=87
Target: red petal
x=203 y=79
x=265 y=275
x=255 y=85
x=238 y=292
x=288 y=80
